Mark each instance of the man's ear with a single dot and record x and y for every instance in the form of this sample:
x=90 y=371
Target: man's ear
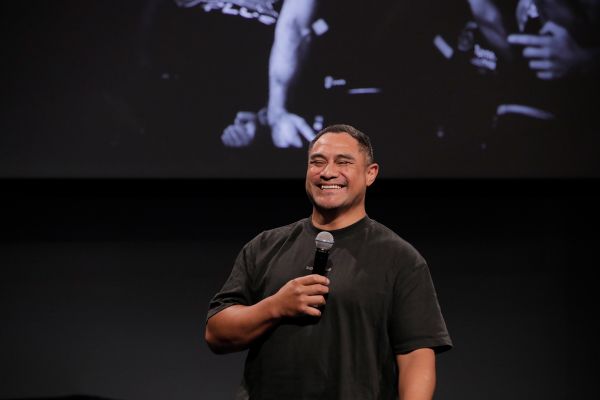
x=372 y=171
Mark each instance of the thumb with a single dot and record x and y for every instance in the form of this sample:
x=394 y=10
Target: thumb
x=553 y=29
x=303 y=127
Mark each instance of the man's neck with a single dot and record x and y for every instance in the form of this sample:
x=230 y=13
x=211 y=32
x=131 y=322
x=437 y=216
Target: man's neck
x=331 y=221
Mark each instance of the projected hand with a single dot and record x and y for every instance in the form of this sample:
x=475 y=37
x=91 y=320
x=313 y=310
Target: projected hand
x=553 y=53
x=287 y=129
x=242 y=131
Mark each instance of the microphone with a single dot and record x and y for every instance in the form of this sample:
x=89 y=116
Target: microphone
x=323 y=242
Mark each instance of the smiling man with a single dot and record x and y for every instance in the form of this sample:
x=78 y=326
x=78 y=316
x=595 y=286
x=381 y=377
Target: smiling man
x=370 y=329
x=340 y=168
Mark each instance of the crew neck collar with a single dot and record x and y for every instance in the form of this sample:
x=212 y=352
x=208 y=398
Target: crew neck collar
x=342 y=232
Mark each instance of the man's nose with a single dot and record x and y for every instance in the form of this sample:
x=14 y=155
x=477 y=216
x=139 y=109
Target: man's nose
x=329 y=171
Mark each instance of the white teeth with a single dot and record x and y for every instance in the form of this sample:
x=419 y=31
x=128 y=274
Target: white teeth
x=330 y=187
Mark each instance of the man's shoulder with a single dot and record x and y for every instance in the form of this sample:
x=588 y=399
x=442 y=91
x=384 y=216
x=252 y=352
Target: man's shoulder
x=384 y=233
x=284 y=229
x=280 y=232
x=388 y=240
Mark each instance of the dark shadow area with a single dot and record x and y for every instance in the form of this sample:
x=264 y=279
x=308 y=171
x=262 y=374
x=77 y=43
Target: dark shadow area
x=106 y=282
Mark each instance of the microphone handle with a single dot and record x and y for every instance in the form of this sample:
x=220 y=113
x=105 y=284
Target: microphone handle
x=320 y=264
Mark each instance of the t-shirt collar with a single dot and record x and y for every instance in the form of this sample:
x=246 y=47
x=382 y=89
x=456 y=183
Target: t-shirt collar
x=339 y=233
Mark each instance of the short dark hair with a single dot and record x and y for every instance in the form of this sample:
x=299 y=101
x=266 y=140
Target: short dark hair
x=363 y=140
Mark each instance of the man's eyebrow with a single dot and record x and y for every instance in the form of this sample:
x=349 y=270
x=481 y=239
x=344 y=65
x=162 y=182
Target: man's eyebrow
x=345 y=156
x=337 y=157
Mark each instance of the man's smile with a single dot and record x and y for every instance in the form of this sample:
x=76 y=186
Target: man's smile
x=331 y=186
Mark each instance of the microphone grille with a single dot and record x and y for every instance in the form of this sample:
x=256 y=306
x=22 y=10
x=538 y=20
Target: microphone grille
x=324 y=241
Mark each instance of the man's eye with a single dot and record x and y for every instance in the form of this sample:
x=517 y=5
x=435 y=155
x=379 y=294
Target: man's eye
x=317 y=163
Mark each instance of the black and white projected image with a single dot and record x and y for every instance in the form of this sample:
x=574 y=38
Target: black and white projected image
x=531 y=83
x=262 y=10
x=207 y=88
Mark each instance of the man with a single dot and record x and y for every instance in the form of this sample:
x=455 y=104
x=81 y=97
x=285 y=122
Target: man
x=368 y=330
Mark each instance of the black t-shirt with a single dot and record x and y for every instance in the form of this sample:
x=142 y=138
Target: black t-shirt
x=381 y=303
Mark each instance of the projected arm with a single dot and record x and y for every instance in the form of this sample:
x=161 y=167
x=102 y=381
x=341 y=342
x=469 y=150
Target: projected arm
x=488 y=17
x=292 y=37
x=554 y=53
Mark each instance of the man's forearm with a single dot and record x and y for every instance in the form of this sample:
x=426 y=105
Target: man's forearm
x=235 y=327
x=416 y=375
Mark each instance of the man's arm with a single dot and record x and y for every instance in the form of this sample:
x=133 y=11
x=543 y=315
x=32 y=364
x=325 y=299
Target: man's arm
x=416 y=374
x=292 y=36
x=235 y=327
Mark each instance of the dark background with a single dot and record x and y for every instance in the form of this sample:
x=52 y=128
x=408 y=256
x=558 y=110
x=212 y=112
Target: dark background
x=105 y=283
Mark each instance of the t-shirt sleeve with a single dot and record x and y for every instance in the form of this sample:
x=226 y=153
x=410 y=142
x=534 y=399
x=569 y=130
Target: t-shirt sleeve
x=416 y=320
x=237 y=288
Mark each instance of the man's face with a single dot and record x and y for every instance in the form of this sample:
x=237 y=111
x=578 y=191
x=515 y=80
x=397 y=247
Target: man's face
x=338 y=173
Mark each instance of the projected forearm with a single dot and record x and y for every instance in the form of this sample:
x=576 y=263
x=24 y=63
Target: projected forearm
x=292 y=38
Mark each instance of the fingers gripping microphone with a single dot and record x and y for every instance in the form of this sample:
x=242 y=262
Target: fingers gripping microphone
x=324 y=242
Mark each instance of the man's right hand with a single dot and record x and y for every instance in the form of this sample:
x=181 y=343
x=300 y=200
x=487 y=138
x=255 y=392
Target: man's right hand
x=235 y=327
x=301 y=296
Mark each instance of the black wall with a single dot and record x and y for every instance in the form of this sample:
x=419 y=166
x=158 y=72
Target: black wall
x=105 y=283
